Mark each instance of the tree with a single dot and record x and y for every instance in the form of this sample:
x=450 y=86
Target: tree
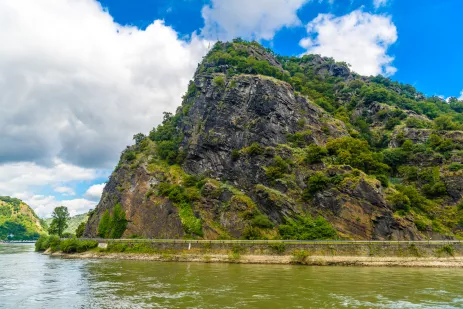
x=60 y=221
x=118 y=223
x=80 y=230
x=139 y=137
x=103 y=226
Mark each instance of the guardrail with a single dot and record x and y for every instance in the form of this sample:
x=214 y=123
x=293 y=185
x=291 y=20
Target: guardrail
x=296 y=242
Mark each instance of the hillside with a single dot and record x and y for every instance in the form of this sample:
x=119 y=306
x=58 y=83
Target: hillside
x=19 y=220
x=73 y=222
x=266 y=146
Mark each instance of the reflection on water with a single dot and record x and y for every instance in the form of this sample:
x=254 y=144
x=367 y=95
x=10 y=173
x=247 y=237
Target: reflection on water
x=31 y=280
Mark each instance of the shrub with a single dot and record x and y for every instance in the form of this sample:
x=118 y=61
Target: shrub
x=317 y=182
x=262 y=221
x=315 y=154
x=299 y=139
x=278 y=248
x=384 y=180
x=235 y=154
x=306 y=228
x=435 y=189
x=251 y=233
x=80 y=229
x=421 y=225
x=455 y=167
x=254 y=150
x=219 y=81
x=278 y=169
x=399 y=202
x=42 y=243
x=73 y=245
x=53 y=243
x=130 y=155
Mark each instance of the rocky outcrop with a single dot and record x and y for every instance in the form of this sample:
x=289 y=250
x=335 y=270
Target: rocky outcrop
x=236 y=162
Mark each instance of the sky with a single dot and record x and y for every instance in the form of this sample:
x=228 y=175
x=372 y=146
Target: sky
x=78 y=78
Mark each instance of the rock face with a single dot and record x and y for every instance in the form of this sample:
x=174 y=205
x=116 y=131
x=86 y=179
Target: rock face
x=234 y=164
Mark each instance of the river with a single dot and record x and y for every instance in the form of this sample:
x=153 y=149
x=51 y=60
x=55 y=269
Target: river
x=32 y=280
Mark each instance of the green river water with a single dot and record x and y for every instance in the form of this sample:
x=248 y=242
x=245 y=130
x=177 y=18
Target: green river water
x=32 y=280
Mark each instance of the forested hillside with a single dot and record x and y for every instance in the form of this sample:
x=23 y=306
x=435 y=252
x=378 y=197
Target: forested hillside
x=18 y=221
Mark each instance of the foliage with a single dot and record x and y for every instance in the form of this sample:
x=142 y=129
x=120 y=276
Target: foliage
x=356 y=153
x=307 y=228
x=317 y=182
x=315 y=154
x=74 y=245
x=262 y=221
x=59 y=223
x=112 y=225
x=80 y=229
x=278 y=168
x=400 y=202
x=254 y=150
x=103 y=225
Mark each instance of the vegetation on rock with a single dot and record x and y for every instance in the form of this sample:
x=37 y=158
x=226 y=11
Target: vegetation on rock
x=262 y=144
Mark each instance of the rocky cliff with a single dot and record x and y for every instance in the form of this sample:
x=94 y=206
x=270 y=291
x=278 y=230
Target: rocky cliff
x=265 y=146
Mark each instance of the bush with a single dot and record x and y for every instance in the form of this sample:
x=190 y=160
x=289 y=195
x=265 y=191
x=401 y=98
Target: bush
x=251 y=233
x=235 y=154
x=317 y=182
x=278 y=169
x=435 y=189
x=306 y=228
x=455 y=167
x=130 y=155
x=384 y=180
x=53 y=243
x=315 y=154
x=74 y=245
x=400 y=202
x=254 y=150
x=262 y=221
x=42 y=243
x=218 y=81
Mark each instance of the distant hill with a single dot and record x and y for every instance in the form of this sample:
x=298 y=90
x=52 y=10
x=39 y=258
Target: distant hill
x=18 y=220
x=73 y=222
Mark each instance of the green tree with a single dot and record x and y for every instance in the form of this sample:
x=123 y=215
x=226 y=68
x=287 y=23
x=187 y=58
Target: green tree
x=139 y=137
x=118 y=222
x=60 y=221
x=103 y=226
x=80 y=230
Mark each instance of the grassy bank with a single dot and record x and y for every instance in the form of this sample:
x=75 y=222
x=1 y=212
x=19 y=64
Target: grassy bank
x=366 y=253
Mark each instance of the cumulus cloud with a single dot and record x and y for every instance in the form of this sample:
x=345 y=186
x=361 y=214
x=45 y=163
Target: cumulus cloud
x=461 y=96
x=65 y=190
x=379 y=3
x=359 y=38
x=46 y=204
x=77 y=86
x=225 y=20
x=22 y=179
x=94 y=192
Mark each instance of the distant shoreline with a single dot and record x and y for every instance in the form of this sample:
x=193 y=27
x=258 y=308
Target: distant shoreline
x=434 y=262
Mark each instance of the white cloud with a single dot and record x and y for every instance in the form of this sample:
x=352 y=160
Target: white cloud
x=77 y=86
x=379 y=3
x=23 y=178
x=94 y=192
x=65 y=190
x=461 y=96
x=225 y=19
x=360 y=39
x=46 y=204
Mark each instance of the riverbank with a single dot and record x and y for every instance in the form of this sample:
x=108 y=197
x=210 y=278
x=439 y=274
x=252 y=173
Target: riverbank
x=442 y=262
x=329 y=253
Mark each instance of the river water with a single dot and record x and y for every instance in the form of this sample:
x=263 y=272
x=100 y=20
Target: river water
x=31 y=280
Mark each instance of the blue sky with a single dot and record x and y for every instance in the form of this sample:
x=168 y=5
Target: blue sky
x=427 y=53
x=80 y=78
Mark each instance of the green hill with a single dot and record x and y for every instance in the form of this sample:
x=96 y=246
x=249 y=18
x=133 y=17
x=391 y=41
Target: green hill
x=18 y=221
